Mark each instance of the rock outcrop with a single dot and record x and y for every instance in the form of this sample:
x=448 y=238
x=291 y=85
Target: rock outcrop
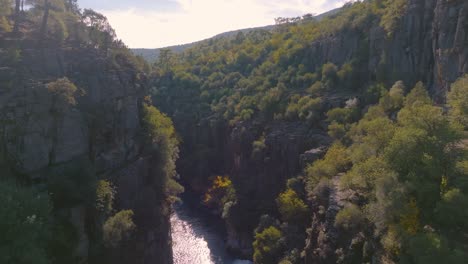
x=103 y=127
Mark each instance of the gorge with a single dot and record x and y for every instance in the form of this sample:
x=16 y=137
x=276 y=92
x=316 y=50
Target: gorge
x=334 y=139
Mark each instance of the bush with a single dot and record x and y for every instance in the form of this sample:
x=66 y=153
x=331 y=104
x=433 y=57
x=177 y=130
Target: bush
x=349 y=218
x=118 y=228
x=220 y=192
x=63 y=94
x=304 y=108
x=329 y=72
x=267 y=246
x=105 y=197
x=292 y=209
x=336 y=160
x=458 y=101
x=392 y=13
x=258 y=147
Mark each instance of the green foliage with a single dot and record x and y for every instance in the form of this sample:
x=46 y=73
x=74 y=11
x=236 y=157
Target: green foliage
x=458 y=100
x=161 y=138
x=304 y=108
x=291 y=207
x=342 y=115
x=258 y=148
x=263 y=74
x=105 y=193
x=5 y=7
x=329 y=72
x=431 y=249
x=336 y=160
x=393 y=101
x=100 y=31
x=418 y=96
x=63 y=94
x=221 y=192
x=5 y=11
x=267 y=246
x=118 y=228
x=451 y=205
x=370 y=135
x=392 y=13
x=408 y=170
x=24 y=224
x=158 y=128
x=350 y=217
x=336 y=130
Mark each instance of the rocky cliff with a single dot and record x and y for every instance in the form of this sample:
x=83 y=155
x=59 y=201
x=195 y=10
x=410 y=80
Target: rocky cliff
x=103 y=128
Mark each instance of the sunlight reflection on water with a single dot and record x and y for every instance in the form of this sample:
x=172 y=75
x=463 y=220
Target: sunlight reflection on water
x=196 y=241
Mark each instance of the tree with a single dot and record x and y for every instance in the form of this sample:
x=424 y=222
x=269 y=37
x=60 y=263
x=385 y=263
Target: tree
x=349 y=218
x=394 y=99
x=418 y=95
x=5 y=11
x=458 y=101
x=46 y=7
x=17 y=15
x=165 y=59
x=63 y=93
x=118 y=228
x=267 y=246
x=101 y=32
x=292 y=209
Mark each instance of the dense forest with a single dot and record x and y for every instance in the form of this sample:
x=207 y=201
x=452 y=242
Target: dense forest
x=333 y=140
x=340 y=138
x=87 y=164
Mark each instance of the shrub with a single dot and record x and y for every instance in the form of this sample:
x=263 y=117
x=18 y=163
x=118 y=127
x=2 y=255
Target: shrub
x=393 y=11
x=105 y=196
x=118 y=228
x=329 y=72
x=258 y=147
x=220 y=192
x=292 y=209
x=267 y=246
x=63 y=94
x=458 y=101
x=336 y=160
x=349 y=218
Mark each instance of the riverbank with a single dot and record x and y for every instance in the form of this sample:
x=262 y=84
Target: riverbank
x=197 y=236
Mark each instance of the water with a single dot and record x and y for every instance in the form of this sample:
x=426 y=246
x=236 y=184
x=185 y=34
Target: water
x=197 y=239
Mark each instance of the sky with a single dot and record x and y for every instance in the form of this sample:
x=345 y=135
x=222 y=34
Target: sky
x=162 y=23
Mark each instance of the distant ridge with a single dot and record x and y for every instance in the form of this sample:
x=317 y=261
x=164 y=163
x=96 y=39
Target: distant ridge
x=152 y=55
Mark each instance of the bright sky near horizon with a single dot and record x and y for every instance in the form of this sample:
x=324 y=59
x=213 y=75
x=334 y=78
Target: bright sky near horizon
x=162 y=23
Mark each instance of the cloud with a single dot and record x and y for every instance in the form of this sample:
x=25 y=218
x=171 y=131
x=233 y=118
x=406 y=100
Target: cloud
x=141 y=5
x=194 y=20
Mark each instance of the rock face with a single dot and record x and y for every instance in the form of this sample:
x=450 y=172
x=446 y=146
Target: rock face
x=429 y=45
x=104 y=128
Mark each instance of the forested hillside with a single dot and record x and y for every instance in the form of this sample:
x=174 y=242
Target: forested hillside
x=340 y=140
x=86 y=162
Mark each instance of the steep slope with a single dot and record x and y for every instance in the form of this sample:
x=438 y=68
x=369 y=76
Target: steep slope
x=75 y=128
x=255 y=106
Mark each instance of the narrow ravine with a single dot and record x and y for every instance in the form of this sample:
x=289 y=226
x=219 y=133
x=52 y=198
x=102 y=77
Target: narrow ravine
x=197 y=239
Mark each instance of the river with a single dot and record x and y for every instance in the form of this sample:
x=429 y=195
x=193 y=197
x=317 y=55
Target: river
x=198 y=239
